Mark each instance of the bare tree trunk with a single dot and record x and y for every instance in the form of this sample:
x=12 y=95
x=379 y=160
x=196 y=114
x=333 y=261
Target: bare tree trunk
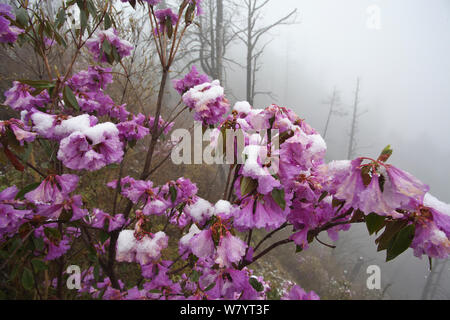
x=219 y=41
x=330 y=112
x=249 y=55
x=351 y=147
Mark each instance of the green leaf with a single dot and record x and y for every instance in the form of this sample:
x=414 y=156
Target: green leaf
x=156 y=291
x=195 y=276
x=169 y=27
x=385 y=154
x=70 y=99
x=256 y=284
x=97 y=272
x=374 y=223
x=83 y=19
x=27 y=279
x=278 y=196
x=212 y=285
x=247 y=185
x=103 y=236
x=401 y=242
x=392 y=228
x=173 y=194
x=322 y=196
x=38 y=84
x=106 y=46
x=60 y=18
x=107 y=21
x=20 y=195
x=92 y=9
x=58 y=38
x=39 y=265
x=115 y=54
x=38 y=243
x=52 y=234
x=22 y=17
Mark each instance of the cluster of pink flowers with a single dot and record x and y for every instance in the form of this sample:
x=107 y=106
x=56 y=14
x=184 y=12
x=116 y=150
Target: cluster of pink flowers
x=96 y=45
x=20 y=97
x=8 y=32
x=165 y=17
x=190 y=80
x=208 y=102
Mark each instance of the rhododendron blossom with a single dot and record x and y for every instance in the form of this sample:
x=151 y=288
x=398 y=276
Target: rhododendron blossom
x=95 y=45
x=8 y=32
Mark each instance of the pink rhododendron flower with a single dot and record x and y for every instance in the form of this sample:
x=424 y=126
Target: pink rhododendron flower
x=297 y=293
x=53 y=189
x=190 y=80
x=231 y=249
x=95 y=44
x=8 y=32
x=91 y=149
x=20 y=97
x=208 y=102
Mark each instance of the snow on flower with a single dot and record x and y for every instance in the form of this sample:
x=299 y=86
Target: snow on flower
x=144 y=251
x=242 y=107
x=231 y=249
x=200 y=210
x=208 y=102
x=92 y=148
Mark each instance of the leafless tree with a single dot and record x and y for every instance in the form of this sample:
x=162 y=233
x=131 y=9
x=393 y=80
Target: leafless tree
x=433 y=287
x=356 y=115
x=333 y=102
x=214 y=35
x=251 y=34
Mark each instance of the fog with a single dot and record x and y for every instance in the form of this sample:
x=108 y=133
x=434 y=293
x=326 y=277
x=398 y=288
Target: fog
x=404 y=67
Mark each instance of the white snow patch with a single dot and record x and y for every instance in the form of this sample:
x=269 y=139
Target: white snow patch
x=223 y=206
x=78 y=123
x=432 y=202
x=125 y=246
x=200 y=210
x=149 y=249
x=202 y=96
x=96 y=133
x=242 y=107
x=42 y=122
x=318 y=144
x=339 y=165
x=194 y=230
